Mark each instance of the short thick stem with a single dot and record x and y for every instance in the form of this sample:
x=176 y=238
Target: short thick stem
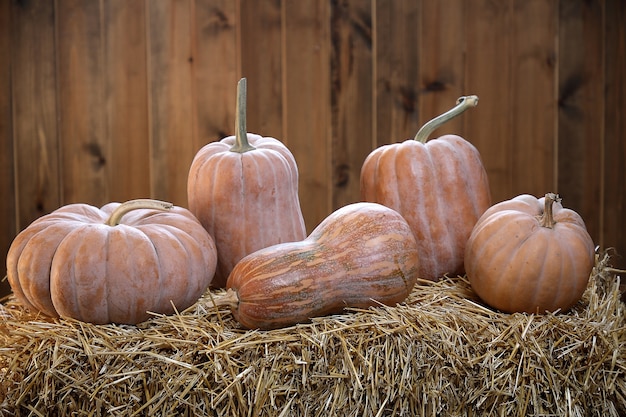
x=144 y=203
x=241 y=135
x=547 y=218
x=462 y=104
x=228 y=299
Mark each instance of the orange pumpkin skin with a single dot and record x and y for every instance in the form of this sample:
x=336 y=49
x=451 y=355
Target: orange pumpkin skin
x=246 y=201
x=516 y=264
x=441 y=189
x=70 y=263
x=361 y=255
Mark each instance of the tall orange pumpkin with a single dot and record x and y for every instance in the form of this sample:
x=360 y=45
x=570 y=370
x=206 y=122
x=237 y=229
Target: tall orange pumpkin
x=244 y=191
x=439 y=186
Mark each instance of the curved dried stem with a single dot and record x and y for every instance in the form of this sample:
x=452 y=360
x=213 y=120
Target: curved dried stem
x=462 y=104
x=142 y=203
x=547 y=219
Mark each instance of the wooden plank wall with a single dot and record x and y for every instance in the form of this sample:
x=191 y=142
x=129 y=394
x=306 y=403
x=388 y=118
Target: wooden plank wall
x=109 y=100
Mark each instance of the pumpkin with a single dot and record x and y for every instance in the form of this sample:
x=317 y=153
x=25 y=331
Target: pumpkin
x=529 y=255
x=244 y=191
x=361 y=255
x=112 y=264
x=440 y=187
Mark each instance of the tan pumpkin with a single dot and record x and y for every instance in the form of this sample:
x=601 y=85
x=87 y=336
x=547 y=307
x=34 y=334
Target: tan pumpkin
x=244 y=191
x=529 y=255
x=440 y=187
x=361 y=255
x=112 y=264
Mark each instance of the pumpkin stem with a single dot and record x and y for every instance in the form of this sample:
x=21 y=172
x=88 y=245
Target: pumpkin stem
x=241 y=136
x=547 y=219
x=228 y=299
x=142 y=203
x=462 y=104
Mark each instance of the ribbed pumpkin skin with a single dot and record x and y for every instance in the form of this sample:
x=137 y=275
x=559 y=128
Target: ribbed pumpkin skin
x=246 y=201
x=360 y=255
x=69 y=263
x=516 y=265
x=441 y=189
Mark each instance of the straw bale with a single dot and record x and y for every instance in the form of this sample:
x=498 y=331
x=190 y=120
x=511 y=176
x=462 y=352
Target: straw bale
x=441 y=353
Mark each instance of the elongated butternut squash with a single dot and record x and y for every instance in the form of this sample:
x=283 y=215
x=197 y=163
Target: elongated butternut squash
x=361 y=255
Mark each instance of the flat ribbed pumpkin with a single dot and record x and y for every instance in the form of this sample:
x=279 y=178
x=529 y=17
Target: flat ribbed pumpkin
x=112 y=264
x=529 y=255
x=244 y=191
x=361 y=255
x=440 y=187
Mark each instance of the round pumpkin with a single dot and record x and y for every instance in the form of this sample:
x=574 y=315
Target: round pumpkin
x=112 y=264
x=529 y=255
x=440 y=187
x=361 y=255
x=244 y=191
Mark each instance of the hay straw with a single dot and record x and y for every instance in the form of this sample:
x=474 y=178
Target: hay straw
x=440 y=353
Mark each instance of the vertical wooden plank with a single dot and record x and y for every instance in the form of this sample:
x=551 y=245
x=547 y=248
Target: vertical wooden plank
x=261 y=63
x=581 y=108
x=215 y=66
x=126 y=104
x=442 y=62
x=488 y=75
x=396 y=70
x=306 y=109
x=614 y=191
x=534 y=106
x=8 y=226
x=351 y=96
x=85 y=155
x=172 y=97
x=35 y=111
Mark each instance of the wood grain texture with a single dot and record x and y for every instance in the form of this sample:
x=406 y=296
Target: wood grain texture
x=614 y=170
x=104 y=100
x=351 y=97
x=306 y=98
x=34 y=111
x=8 y=218
x=126 y=100
x=215 y=70
x=171 y=94
x=581 y=109
x=261 y=63
x=396 y=70
x=488 y=75
x=533 y=93
x=85 y=156
x=442 y=62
